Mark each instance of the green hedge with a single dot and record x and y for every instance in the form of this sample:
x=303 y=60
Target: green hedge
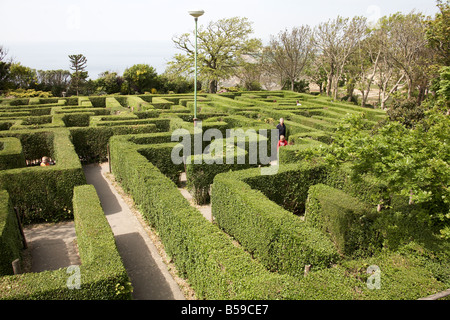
x=213 y=265
x=201 y=170
x=11 y=153
x=103 y=275
x=160 y=156
x=77 y=119
x=161 y=103
x=45 y=193
x=276 y=237
x=91 y=142
x=289 y=186
x=302 y=149
x=98 y=102
x=348 y=221
x=10 y=237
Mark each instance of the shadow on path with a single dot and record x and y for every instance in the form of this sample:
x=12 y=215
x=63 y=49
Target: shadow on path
x=148 y=273
x=148 y=281
x=108 y=200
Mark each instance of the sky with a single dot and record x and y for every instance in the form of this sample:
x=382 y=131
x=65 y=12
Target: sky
x=114 y=34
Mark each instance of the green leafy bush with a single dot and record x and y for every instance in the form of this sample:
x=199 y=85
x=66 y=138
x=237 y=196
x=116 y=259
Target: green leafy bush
x=276 y=237
x=10 y=237
x=45 y=193
x=11 y=154
x=103 y=275
x=349 y=222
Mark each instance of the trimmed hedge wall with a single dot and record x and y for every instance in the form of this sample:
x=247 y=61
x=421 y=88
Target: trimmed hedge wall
x=77 y=119
x=200 y=176
x=103 y=275
x=91 y=142
x=11 y=154
x=289 y=186
x=160 y=156
x=348 y=221
x=213 y=265
x=10 y=237
x=276 y=237
x=45 y=193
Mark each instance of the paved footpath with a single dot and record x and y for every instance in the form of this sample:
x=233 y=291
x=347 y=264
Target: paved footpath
x=149 y=275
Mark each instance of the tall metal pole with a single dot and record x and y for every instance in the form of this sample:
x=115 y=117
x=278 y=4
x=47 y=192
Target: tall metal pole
x=195 y=77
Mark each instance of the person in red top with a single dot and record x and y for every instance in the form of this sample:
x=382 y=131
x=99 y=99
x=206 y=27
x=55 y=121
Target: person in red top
x=282 y=142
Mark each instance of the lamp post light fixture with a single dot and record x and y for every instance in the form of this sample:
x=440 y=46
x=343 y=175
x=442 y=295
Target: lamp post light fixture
x=196 y=14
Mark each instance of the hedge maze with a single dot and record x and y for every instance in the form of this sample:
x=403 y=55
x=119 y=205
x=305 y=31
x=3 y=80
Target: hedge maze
x=267 y=229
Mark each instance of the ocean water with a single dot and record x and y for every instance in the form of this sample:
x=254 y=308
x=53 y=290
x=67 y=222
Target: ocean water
x=101 y=56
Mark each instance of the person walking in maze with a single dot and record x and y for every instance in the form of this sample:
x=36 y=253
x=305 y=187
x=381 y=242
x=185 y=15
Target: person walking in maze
x=281 y=129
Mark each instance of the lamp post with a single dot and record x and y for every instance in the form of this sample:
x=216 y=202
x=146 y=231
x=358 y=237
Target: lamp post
x=196 y=14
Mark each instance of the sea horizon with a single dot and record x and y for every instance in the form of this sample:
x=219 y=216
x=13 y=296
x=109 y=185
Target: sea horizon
x=114 y=56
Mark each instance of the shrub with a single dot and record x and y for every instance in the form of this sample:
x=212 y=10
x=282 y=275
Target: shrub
x=277 y=238
x=98 y=102
x=349 y=222
x=10 y=237
x=45 y=193
x=91 y=142
x=77 y=119
x=11 y=154
x=206 y=256
x=160 y=156
x=289 y=186
x=202 y=169
x=103 y=275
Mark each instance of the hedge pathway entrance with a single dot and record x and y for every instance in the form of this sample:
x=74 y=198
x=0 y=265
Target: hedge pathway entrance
x=204 y=210
x=149 y=275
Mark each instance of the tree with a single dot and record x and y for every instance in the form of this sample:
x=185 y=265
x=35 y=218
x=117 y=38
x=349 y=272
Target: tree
x=289 y=52
x=5 y=67
x=78 y=65
x=56 y=81
x=316 y=72
x=336 y=40
x=221 y=48
x=109 y=82
x=368 y=55
x=22 y=77
x=412 y=162
x=406 y=45
x=438 y=32
x=141 y=78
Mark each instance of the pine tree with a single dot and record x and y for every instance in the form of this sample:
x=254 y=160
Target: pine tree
x=78 y=65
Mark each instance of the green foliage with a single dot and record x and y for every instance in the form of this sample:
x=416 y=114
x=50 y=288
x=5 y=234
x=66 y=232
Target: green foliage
x=27 y=93
x=202 y=169
x=141 y=78
x=216 y=268
x=348 y=221
x=77 y=119
x=407 y=112
x=437 y=32
x=11 y=153
x=91 y=143
x=412 y=162
x=160 y=156
x=221 y=46
x=102 y=271
x=49 y=189
x=277 y=238
x=10 y=237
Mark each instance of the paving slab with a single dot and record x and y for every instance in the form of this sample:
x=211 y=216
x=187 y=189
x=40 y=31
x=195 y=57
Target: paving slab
x=52 y=246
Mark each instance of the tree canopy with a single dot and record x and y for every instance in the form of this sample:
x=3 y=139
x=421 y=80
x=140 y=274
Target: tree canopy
x=222 y=46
